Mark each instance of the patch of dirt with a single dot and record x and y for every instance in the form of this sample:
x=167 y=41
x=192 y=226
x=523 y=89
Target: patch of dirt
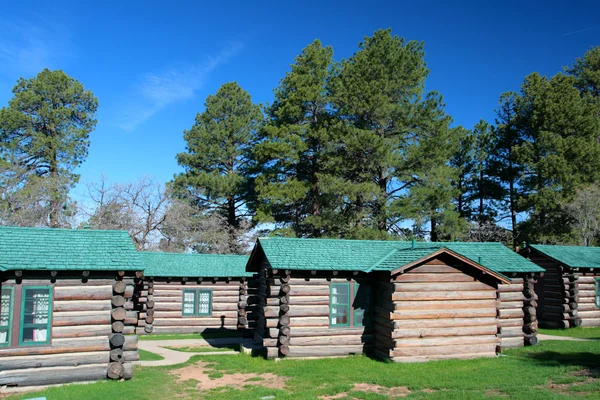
x=199 y=372
x=495 y=393
x=563 y=388
x=398 y=391
x=335 y=396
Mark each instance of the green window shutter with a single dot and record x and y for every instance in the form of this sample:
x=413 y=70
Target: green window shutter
x=6 y=313
x=188 y=305
x=339 y=304
x=36 y=312
x=204 y=302
x=361 y=303
x=598 y=292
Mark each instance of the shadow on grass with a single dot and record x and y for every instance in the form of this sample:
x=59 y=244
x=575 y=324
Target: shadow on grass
x=589 y=361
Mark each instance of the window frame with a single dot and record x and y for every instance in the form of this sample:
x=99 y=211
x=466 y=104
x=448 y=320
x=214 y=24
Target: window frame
x=197 y=292
x=11 y=310
x=348 y=305
x=597 y=292
x=49 y=319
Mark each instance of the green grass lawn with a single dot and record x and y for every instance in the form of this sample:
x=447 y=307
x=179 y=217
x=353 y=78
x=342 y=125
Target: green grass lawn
x=550 y=370
x=148 y=356
x=205 y=349
x=584 y=333
x=208 y=335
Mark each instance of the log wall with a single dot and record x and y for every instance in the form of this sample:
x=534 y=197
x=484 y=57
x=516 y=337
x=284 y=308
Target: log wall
x=558 y=293
x=90 y=336
x=587 y=309
x=162 y=305
x=440 y=310
x=511 y=314
x=296 y=317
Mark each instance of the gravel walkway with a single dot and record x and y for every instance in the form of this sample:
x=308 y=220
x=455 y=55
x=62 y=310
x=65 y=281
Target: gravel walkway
x=172 y=357
x=541 y=336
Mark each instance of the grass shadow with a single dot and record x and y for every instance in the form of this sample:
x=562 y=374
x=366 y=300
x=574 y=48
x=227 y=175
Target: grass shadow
x=589 y=361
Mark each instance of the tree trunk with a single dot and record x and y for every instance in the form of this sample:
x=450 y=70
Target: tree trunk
x=433 y=234
x=512 y=201
x=381 y=218
x=55 y=191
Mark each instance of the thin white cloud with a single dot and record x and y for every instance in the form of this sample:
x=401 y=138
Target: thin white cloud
x=157 y=91
x=28 y=46
x=581 y=30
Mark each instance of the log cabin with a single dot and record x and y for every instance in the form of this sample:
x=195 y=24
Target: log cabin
x=63 y=316
x=569 y=293
x=400 y=301
x=194 y=293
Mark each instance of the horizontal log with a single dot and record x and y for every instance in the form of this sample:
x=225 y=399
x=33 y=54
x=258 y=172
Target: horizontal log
x=589 y=314
x=510 y=288
x=347 y=340
x=510 y=322
x=437 y=314
x=484 y=348
x=445 y=341
x=510 y=313
x=308 y=290
x=413 y=277
x=444 y=304
x=61 y=332
x=443 y=323
x=81 y=305
x=83 y=292
x=587 y=322
x=510 y=304
x=309 y=300
x=315 y=281
x=449 y=286
x=511 y=296
x=74 y=318
x=299 y=311
x=299 y=322
x=53 y=375
x=67 y=345
x=54 y=360
x=316 y=331
x=462 y=356
x=435 y=269
x=444 y=332
x=131 y=355
x=324 y=351
x=444 y=295
x=512 y=342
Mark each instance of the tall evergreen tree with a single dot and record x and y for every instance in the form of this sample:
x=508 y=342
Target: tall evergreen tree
x=560 y=152
x=295 y=145
x=379 y=94
x=218 y=156
x=504 y=165
x=586 y=71
x=44 y=131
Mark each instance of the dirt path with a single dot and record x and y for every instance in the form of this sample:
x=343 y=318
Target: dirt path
x=172 y=357
x=541 y=336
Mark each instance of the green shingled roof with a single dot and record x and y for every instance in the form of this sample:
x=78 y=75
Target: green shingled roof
x=374 y=255
x=66 y=249
x=572 y=256
x=194 y=265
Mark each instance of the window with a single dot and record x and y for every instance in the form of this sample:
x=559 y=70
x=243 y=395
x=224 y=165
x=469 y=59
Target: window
x=6 y=309
x=598 y=292
x=197 y=302
x=349 y=304
x=339 y=304
x=35 y=315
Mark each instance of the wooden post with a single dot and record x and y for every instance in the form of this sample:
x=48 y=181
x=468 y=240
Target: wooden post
x=530 y=324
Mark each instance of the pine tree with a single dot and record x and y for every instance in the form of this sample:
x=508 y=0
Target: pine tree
x=379 y=95
x=44 y=133
x=586 y=71
x=295 y=145
x=218 y=157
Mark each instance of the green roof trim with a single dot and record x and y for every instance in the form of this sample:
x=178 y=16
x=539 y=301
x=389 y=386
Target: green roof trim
x=571 y=256
x=194 y=265
x=66 y=250
x=377 y=255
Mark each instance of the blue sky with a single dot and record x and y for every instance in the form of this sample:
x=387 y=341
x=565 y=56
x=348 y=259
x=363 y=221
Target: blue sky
x=152 y=64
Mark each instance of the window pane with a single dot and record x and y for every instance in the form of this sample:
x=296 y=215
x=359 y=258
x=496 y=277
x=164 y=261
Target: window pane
x=339 y=303
x=35 y=315
x=204 y=306
x=189 y=302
